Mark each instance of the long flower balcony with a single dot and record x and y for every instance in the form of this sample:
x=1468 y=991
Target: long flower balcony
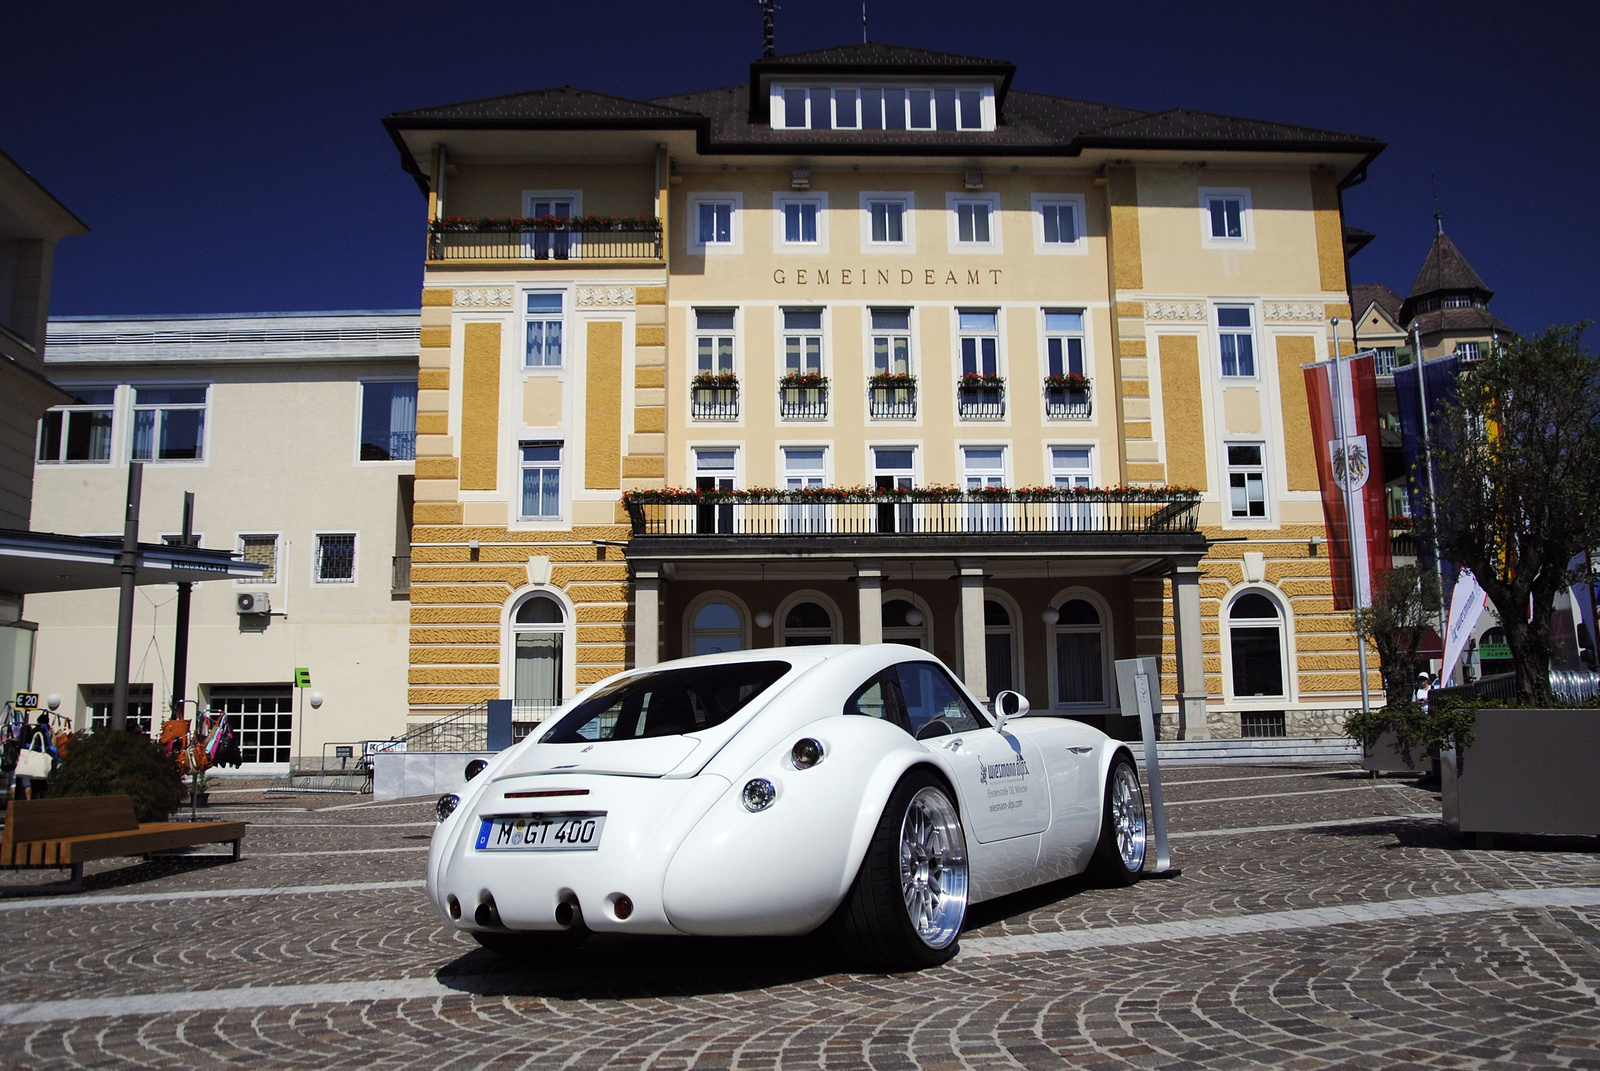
x=545 y=238
x=917 y=512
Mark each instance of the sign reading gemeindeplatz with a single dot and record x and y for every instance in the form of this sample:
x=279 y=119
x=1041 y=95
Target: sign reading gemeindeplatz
x=887 y=276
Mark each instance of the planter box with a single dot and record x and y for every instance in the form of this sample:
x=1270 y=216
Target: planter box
x=1384 y=757
x=1529 y=771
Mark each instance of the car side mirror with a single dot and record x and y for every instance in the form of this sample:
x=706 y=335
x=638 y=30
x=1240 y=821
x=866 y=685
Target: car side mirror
x=1008 y=705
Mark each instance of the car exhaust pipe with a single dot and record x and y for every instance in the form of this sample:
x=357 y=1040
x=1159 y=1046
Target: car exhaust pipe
x=487 y=914
x=566 y=912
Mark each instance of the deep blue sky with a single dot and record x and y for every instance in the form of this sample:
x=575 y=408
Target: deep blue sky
x=228 y=156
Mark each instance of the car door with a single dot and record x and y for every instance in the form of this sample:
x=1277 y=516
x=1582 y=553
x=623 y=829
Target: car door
x=1000 y=777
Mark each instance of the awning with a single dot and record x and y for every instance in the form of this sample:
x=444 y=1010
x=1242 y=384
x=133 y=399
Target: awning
x=34 y=562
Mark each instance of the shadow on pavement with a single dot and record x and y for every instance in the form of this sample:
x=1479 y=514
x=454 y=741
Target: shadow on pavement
x=116 y=877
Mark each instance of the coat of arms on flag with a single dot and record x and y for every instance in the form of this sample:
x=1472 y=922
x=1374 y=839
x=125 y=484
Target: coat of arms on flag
x=1351 y=463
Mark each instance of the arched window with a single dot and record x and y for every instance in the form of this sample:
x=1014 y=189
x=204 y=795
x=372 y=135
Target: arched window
x=904 y=622
x=1080 y=654
x=717 y=627
x=807 y=623
x=999 y=646
x=1255 y=646
x=537 y=630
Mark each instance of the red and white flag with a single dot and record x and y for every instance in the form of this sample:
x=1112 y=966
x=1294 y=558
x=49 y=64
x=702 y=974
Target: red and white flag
x=1344 y=429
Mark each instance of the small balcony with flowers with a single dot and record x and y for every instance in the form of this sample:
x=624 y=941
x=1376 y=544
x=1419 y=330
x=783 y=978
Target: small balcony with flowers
x=981 y=396
x=598 y=241
x=1066 y=396
x=714 y=396
x=892 y=396
x=803 y=396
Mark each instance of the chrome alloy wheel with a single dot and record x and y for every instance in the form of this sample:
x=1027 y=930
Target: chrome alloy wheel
x=1127 y=816
x=933 y=867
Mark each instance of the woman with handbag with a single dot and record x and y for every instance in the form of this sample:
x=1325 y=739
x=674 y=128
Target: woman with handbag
x=37 y=756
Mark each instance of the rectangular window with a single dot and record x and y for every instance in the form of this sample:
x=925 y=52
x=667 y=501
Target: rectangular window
x=894 y=468
x=541 y=481
x=845 y=115
x=872 y=109
x=919 y=109
x=794 y=109
x=714 y=221
x=1070 y=466
x=169 y=423
x=80 y=431
x=888 y=221
x=972 y=222
x=969 y=103
x=714 y=470
x=891 y=342
x=894 y=109
x=1468 y=351
x=714 y=341
x=100 y=698
x=1060 y=222
x=802 y=341
x=1247 y=481
x=543 y=349
x=984 y=467
x=263 y=718
x=1063 y=343
x=388 y=421
x=804 y=467
x=1227 y=217
x=979 y=340
x=1236 y=341
x=821 y=111
x=800 y=222
x=336 y=558
x=1383 y=360
x=262 y=550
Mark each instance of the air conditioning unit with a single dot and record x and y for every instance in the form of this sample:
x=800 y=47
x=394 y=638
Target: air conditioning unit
x=253 y=602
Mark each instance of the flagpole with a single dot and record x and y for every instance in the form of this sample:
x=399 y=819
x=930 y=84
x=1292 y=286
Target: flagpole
x=1349 y=517
x=1427 y=470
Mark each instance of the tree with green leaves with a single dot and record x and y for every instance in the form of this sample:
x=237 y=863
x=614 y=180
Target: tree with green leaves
x=1405 y=604
x=1516 y=463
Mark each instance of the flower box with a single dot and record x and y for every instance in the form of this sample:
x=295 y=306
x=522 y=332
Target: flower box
x=1072 y=381
x=715 y=381
x=892 y=380
x=803 y=381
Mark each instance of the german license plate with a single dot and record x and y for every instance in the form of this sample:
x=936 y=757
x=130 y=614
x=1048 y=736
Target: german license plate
x=541 y=832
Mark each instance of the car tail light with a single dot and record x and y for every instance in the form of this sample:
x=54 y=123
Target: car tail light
x=758 y=794
x=446 y=806
x=806 y=753
x=622 y=907
x=453 y=905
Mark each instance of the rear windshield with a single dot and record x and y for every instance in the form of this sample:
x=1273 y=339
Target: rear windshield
x=669 y=702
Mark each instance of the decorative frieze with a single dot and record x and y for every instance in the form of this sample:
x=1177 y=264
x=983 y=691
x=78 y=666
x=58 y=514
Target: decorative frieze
x=592 y=296
x=1301 y=311
x=1175 y=310
x=483 y=297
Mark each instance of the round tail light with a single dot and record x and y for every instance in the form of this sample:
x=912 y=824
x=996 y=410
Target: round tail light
x=806 y=753
x=758 y=794
x=622 y=907
x=453 y=905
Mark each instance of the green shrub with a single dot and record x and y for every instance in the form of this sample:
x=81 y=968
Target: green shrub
x=129 y=764
x=1448 y=722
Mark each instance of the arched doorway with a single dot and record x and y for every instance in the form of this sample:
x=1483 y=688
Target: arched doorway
x=538 y=635
x=1079 y=645
x=1256 y=647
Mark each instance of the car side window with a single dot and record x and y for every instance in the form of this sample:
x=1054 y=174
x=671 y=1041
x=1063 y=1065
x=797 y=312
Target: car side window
x=878 y=698
x=929 y=694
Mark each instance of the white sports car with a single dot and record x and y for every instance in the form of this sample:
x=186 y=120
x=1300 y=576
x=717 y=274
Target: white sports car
x=861 y=788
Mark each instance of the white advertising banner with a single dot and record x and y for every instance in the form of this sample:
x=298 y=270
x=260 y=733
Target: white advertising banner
x=1467 y=604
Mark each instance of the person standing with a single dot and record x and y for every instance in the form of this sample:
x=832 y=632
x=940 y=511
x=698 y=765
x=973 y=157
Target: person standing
x=36 y=737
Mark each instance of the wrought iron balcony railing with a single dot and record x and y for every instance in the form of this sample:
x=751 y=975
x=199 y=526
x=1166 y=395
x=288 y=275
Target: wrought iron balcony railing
x=803 y=403
x=834 y=512
x=1067 y=404
x=986 y=402
x=892 y=403
x=518 y=241
x=714 y=403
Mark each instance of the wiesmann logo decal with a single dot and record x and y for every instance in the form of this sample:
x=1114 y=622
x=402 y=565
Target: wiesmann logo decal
x=1000 y=770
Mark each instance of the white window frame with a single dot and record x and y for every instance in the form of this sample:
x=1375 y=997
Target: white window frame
x=531 y=197
x=527 y=317
x=961 y=334
x=696 y=334
x=1247 y=223
x=563 y=491
x=67 y=410
x=953 y=203
x=361 y=410
x=1229 y=469
x=355 y=557
x=780 y=205
x=569 y=634
x=735 y=244
x=778 y=114
x=1217 y=331
x=781 y=362
x=910 y=335
x=985 y=516
x=135 y=408
x=908 y=203
x=732 y=601
x=780 y=632
x=1107 y=685
x=805 y=517
x=1046 y=333
x=277 y=557
x=1077 y=247
x=1286 y=658
x=1072 y=516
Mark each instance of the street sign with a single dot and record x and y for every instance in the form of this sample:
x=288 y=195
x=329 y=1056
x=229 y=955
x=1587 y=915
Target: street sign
x=1494 y=651
x=302 y=677
x=27 y=701
x=346 y=751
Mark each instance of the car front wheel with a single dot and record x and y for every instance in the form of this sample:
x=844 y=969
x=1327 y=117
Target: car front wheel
x=906 y=907
x=1119 y=855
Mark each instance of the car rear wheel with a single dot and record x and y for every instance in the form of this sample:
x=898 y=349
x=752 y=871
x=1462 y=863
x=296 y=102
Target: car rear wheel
x=531 y=947
x=906 y=907
x=1119 y=856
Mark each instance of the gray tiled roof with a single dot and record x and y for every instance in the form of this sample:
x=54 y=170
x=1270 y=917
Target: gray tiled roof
x=560 y=103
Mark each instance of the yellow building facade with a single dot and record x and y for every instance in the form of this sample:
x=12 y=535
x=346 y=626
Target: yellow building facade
x=877 y=347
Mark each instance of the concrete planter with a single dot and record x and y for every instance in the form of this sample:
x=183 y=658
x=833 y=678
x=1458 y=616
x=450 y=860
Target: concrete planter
x=1384 y=757
x=1529 y=771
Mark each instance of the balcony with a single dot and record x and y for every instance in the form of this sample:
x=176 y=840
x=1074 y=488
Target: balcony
x=717 y=400
x=913 y=513
x=893 y=399
x=1067 y=402
x=583 y=238
x=803 y=398
x=981 y=398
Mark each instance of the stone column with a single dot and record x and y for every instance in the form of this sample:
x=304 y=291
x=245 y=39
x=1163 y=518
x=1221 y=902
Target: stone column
x=869 y=600
x=974 y=660
x=646 y=616
x=1191 y=654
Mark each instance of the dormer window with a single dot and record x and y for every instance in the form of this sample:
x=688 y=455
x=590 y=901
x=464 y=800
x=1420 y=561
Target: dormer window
x=882 y=108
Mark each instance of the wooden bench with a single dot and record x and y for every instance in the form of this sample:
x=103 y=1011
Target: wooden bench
x=66 y=833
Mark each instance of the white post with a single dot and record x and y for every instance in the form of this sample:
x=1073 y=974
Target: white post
x=974 y=660
x=646 y=617
x=869 y=600
x=1187 y=631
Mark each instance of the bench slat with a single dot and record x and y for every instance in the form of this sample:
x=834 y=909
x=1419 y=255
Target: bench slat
x=51 y=819
x=151 y=837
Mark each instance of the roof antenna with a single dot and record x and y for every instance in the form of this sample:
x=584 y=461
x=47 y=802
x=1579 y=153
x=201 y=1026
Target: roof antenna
x=1438 y=216
x=863 y=21
x=768 y=7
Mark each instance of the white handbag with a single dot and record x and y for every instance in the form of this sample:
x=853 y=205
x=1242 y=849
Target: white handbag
x=34 y=761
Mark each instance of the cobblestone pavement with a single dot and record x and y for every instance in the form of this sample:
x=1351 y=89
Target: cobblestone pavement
x=1320 y=920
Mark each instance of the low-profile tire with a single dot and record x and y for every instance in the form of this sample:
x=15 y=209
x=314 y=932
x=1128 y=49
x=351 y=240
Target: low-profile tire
x=531 y=947
x=1119 y=855
x=905 y=909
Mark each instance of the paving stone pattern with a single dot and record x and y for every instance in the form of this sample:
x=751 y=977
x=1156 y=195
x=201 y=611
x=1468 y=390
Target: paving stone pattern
x=198 y=963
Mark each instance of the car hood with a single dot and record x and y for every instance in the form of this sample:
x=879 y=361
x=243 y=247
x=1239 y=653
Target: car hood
x=625 y=758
